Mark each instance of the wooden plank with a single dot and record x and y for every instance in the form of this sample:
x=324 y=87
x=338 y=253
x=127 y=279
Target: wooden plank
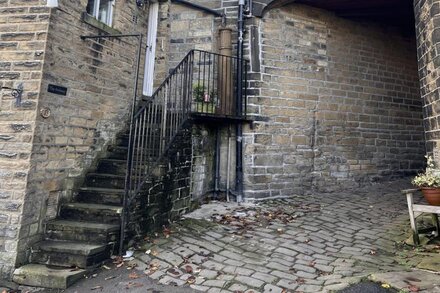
x=405 y=191
x=409 y=199
x=426 y=209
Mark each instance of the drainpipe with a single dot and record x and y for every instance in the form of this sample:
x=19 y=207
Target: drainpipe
x=239 y=105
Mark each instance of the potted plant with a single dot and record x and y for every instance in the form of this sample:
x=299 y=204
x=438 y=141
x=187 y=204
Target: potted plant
x=429 y=183
x=204 y=101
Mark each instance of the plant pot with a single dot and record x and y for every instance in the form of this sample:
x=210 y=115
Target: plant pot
x=432 y=195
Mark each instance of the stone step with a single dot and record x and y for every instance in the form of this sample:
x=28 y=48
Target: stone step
x=109 y=181
x=70 y=253
x=97 y=213
x=98 y=195
x=82 y=231
x=121 y=152
x=38 y=275
x=123 y=139
x=112 y=166
x=115 y=166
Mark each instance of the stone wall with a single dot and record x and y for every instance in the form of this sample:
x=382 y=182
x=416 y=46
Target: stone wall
x=338 y=102
x=428 y=38
x=23 y=33
x=99 y=76
x=167 y=196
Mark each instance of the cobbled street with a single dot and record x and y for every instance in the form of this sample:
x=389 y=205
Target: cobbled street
x=314 y=243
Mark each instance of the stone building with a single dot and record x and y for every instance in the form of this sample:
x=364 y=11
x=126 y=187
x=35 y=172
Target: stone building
x=336 y=95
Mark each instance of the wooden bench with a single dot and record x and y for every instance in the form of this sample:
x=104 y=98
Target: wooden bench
x=416 y=210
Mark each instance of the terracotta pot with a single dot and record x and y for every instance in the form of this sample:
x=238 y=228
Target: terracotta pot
x=432 y=195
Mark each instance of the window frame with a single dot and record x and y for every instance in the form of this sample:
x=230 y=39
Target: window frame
x=95 y=12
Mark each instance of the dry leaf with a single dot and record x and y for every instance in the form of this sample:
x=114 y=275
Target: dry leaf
x=97 y=287
x=191 y=280
x=133 y=285
x=120 y=265
x=118 y=259
x=413 y=288
x=109 y=278
x=166 y=232
x=386 y=286
x=174 y=272
x=133 y=275
x=373 y=252
x=189 y=269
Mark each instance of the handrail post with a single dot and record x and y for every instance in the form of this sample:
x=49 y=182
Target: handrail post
x=128 y=175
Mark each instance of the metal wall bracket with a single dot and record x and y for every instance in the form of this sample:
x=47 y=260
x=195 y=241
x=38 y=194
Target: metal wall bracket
x=17 y=93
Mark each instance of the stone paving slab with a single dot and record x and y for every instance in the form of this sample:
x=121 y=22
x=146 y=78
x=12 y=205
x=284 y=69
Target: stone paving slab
x=413 y=281
x=309 y=243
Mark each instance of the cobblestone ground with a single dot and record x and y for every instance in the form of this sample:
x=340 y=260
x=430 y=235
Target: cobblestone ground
x=316 y=243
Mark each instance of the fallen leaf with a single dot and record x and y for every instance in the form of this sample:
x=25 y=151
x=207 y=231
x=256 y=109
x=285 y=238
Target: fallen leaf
x=191 y=280
x=133 y=275
x=373 y=252
x=413 y=288
x=386 y=286
x=97 y=288
x=174 y=272
x=106 y=267
x=166 y=232
x=300 y=281
x=109 y=278
x=189 y=269
x=134 y=285
x=148 y=251
x=120 y=265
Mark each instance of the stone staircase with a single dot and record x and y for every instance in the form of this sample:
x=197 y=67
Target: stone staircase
x=86 y=231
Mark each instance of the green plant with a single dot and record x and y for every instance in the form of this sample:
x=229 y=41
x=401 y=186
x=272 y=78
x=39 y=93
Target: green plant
x=430 y=178
x=199 y=93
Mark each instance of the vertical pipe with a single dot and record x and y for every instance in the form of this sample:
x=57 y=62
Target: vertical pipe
x=228 y=163
x=239 y=105
x=217 y=162
x=224 y=77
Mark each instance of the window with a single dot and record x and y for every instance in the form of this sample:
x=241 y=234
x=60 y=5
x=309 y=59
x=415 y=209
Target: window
x=102 y=10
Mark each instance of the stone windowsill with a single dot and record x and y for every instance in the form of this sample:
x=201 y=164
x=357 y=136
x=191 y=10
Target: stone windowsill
x=87 y=18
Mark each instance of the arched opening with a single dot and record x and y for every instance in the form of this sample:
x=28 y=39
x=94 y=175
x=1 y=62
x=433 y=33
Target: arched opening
x=340 y=90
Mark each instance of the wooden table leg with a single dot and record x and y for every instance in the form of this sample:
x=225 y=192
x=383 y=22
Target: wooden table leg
x=436 y=224
x=412 y=218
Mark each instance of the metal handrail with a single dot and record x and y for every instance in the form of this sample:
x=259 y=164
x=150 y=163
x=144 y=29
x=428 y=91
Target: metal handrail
x=202 y=83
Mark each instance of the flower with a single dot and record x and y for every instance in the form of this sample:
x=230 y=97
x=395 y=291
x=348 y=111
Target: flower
x=429 y=178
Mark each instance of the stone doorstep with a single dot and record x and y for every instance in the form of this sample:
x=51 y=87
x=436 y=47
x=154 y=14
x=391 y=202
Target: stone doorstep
x=38 y=275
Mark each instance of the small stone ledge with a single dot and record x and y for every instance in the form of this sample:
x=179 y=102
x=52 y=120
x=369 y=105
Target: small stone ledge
x=87 y=18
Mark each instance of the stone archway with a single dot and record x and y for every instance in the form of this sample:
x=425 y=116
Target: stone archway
x=339 y=90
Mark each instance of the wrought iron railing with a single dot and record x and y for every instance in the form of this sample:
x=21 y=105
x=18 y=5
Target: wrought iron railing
x=202 y=84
